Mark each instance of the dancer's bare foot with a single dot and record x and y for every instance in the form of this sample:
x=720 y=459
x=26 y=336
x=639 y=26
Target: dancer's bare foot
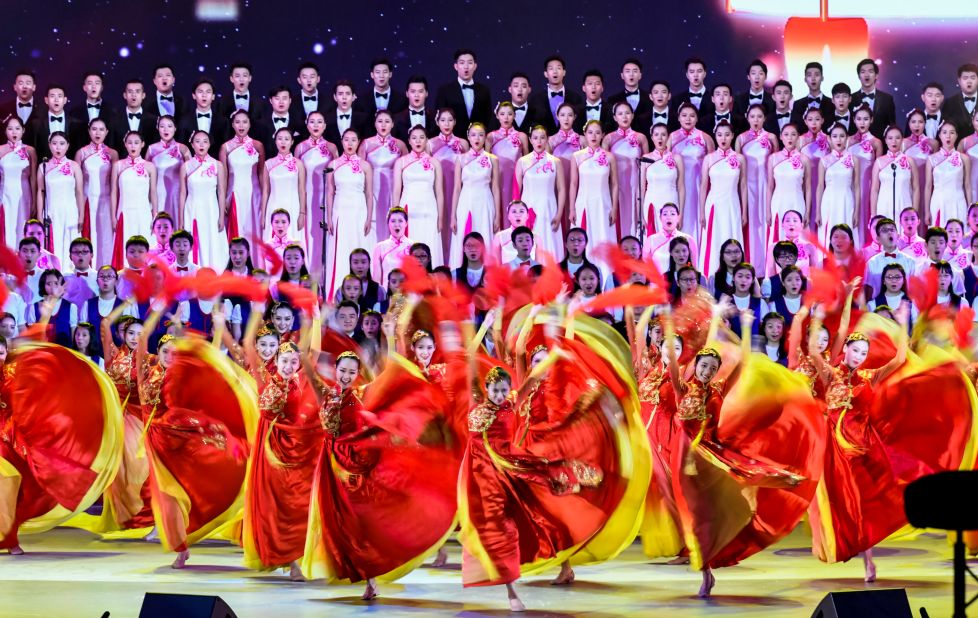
x=295 y=573
x=679 y=560
x=515 y=604
x=181 y=560
x=566 y=576
x=870 y=566
x=441 y=559
x=153 y=536
x=16 y=551
x=708 y=582
x=370 y=592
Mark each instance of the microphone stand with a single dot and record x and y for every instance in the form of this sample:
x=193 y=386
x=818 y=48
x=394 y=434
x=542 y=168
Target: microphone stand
x=322 y=227
x=44 y=216
x=894 y=168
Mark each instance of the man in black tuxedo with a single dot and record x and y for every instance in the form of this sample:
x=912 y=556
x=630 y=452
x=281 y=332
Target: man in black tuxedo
x=380 y=95
x=22 y=105
x=884 y=109
x=544 y=104
x=525 y=114
x=54 y=118
x=344 y=116
x=696 y=93
x=594 y=106
x=959 y=107
x=841 y=112
x=781 y=96
x=240 y=96
x=134 y=117
x=470 y=101
x=661 y=95
x=722 y=99
x=416 y=112
x=815 y=98
x=631 y=77
x=756 y=76
x=94 y=106
x=281 y=115
x=204 y=117
x=165 y=101
x=309 y=98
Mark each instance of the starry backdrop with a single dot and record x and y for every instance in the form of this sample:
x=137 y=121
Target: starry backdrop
x=61 y=39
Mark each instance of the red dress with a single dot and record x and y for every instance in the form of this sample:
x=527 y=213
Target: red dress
x=201 y=420
x=59 y=447
x=283 y=459
x=384 y=485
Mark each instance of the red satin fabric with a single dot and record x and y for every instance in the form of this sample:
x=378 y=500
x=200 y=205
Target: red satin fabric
x=122 y=370
x=51 y=435
x=277 y=502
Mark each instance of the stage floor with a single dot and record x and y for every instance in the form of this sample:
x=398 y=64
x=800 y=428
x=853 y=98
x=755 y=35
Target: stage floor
x=68 y=573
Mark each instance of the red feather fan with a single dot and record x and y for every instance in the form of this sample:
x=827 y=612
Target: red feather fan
x=271 y=256
x=633 y=295
x=299 y=297
x=550 y=282
x=10 y=263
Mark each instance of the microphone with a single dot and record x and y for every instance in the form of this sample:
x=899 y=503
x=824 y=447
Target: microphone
x=893 y=167
x=327 y=170
x=646 y=160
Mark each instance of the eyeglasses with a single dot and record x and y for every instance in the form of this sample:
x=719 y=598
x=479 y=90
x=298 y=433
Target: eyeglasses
x=893 y=277
x=687 y=280
x=106 y=277
x=80 y=251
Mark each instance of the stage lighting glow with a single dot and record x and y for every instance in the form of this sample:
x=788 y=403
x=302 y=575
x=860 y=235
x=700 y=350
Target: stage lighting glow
x=317 y=48
x=868 y=9
x=123 y=52
x=217 y=10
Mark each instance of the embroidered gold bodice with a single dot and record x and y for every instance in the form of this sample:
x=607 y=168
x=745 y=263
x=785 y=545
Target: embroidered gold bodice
x=692 y=405
x=839 y=393
x=152 y=386
x=120 y=367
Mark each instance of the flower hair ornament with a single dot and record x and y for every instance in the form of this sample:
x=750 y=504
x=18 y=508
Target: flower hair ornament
x=347 y=354
x=165 y=339
x=419 y=335
x=709 y=352
x=265 y=331
x=287 y=347
x=857 y=336
x=496 y=375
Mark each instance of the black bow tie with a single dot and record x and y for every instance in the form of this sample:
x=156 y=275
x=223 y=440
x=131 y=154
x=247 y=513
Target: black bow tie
x=137 y=116
x=381 y=95
x=660 y=115
x=241 y=96
x=592 y=108
x=557 y=94
x=521 y=108
x=723 y=116
x=25 y=105
x=417 y=113
x=632 y=93
x=784 y=115
x=207 y=115
x=468 y=86
x=812 y=99
x=95 y=106
x=57 y=119
x=756 y=96
x=846 y=117
x=312 y=98
x=969 y=99
x=931 y=117
x=344 y=116
x=695 y=95
x=164 y=97
x=280 y=119
x=871 y=95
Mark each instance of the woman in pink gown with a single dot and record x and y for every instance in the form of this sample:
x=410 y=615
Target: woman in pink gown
x=96 y=161
x=563 y=144
x=418 y=189
x=508 y=145
x=969 y=147
x=839 y=188
x=18 y=182
x=168 y=156
x=316 y=154
x=757 y=145
x=814 y=144
x=382 y=151
x=918 y=147
x=349 y=211
x=243 y=157
x=692 y=145
x=865 y=148
x=445 y=148
x=628 y=146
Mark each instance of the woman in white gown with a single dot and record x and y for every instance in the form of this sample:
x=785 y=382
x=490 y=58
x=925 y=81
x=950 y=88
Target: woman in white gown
x=242 y=157
x=865 y=148
x=839 y=181
x=316 y=154
x=96 y=161
x=757 y=146
x=969 y=147
x=788 y=186
x=896 y=185
x=948 y=188
x=723 y=201
x=445 y=148
x=203 y=185
x=594 y=192
x=418 y=189
x=563 y=144
x=476 y=205
x=168 y=156
x=349 y=211
x=919 y=148
x=18 y=182
x=540 y=178
x=508 y=145
x=382 y=151
x=61 y=196
x=663 y=181
x=134 y=205
x=627 y=145
x=692 y=145
x=283 y=185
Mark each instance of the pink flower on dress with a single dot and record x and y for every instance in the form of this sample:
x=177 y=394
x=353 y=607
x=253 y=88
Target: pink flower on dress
x=21 y=152
x=484 y=161
x=802 y=253
x=697 y=140
x=629 y=136
x=733 y=161
x=455 y=144
x=917 y=249
x=249 y=147
x=211 y=171
x=602 y=158
x=925 y=146
x=764 y=142
x=867 y=145
x=425 y=164
x=954 y=159
x=847 y=161
x=669 y=161
x=139 y=168
x=291 y=165
x=101 y=152
x=514 y=139
x=546 y=167
x=66 y=168
x=391 y=146
x=795 y=160
x=354 y=164
x=822 y=142
x=961 y=260
x=903 y=161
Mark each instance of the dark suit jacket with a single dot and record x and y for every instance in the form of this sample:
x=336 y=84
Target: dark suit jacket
x=642 y=112
x=9 y=110
x=358 y=122
x=737 y=121
x=884 y=111
x=366 y=103
x=40 y=132
x=79 y=114
x=798 y=111
x=324 y=105
x=830 y=120
x=530 y=119
x=539 y=106
x=450 y=95
x=256 y=107
x=147 y=128
x=607 y=120
x=219 y=129
x=265 y=129
x=955 y=111
x=403 y=123
x=706 y=104
x=179 y=110
x=771 y=125
x=742 y=103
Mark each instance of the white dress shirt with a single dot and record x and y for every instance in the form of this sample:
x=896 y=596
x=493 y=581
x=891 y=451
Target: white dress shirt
x=342 y=124
x=240 y=103
x=970 y=105
x=56 y=125
x=24 y=112
x=420 y=118
x=204 y=122
x=468 y=94
x=931 y=125
x=88 y=275
x=876 y=264
x=166 y=107
x=660 y=119
x=312 y=105
x=382 y=102
x=593 y=114
x=870 y=102
x=93 y=112
x=697 y=101
x=957 y=275
x=133 y=122
x=520 y=112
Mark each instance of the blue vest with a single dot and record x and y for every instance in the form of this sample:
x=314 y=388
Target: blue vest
x=782 y=308
x=60 y=323
x=755 y=306
x=970 y=284
x=95 y=318
x=198 y=320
